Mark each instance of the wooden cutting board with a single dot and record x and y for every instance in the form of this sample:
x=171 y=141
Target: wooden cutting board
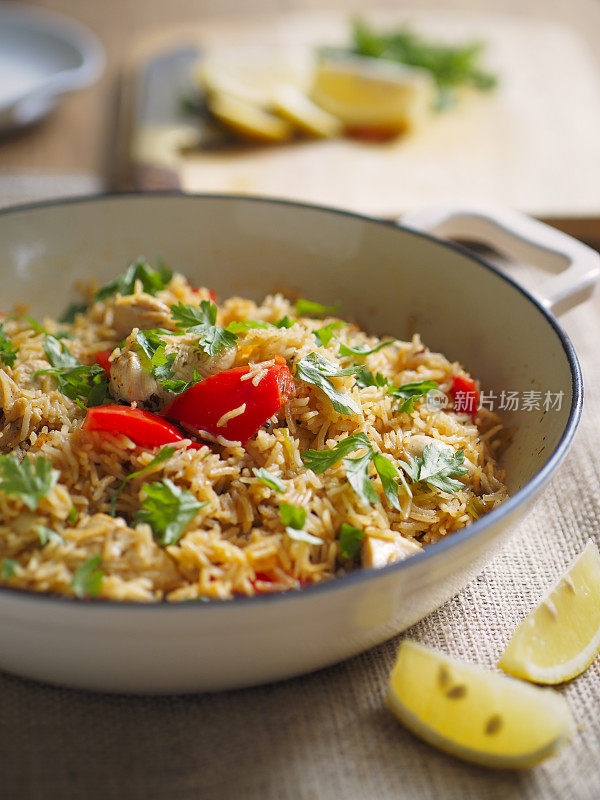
x=533 y=144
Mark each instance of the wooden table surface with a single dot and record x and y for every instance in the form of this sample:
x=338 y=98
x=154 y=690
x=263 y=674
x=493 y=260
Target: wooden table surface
x=79 y=136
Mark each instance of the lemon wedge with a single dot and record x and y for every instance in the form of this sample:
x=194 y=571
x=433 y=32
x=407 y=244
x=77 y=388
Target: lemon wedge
x=248 y=120
x=292 y=104
x=369 y=93
x=561 y=636
x=474 y=714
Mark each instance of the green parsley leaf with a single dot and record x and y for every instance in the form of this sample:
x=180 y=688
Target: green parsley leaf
x=357 y=473
x=168 y=509
x=270 y=480
x=388 y=473
x=34 y=324
x=411 y=392
x=308 y=308
x=316 y=370
x=294 y=518
x=58 y=354
x=73 y=515
x=437 y=467
x=153 y=280
x=87 y=579
x=7 y=570
x=285 y=322
x=48 y=535
x=163 y=455
x=350 y=539
x=246 y=325
x=364 y=378
x=202 y=321
x=85 y=385
x=8 y=352
x=71 y=311
x=363 y=349
x=321 y=460
x=325 y=334
x=158 y=363
x=30 y=480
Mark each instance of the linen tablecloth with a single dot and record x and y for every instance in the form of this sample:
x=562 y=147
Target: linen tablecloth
x=329 y=735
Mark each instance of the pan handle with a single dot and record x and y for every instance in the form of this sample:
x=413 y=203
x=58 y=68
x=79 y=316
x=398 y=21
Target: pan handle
x=520 y=238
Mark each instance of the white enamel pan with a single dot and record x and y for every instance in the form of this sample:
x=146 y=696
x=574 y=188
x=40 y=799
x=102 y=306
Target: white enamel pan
x=394 y=279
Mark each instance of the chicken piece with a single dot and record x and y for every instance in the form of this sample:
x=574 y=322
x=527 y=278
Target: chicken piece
x=129 y=382
x=379 y=553
x=139 y=311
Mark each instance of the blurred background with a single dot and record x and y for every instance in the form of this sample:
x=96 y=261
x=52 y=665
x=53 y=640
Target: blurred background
x=379 y=109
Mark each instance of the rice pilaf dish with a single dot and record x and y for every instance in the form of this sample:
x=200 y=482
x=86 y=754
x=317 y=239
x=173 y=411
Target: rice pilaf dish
x=156 y=445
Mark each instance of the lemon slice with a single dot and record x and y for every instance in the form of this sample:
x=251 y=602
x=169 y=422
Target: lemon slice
x=369 y=93
x=477 y=715
x=248 y=120
x=292 y=104
x=561 y=636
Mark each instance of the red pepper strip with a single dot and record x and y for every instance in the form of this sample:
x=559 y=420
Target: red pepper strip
x=202 y=406
x=212 y=296
x=142 y=427
x=102 y=357
x=465 y=394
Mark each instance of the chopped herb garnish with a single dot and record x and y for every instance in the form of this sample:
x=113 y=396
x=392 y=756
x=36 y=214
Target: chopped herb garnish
x=294 y=518
x=86 y=385
x=30 y=480
x=48 y=535
x=71 y=311
x=34 y=324
x=158 y=363
x=363 y=350
x=364 y=378
x=7 y=570
x=163 y=455
x=285 y=322
x=8 y=352
x=168 y=509
x=325 y=334
x=437 y=467
x=409 y=393
x=58 y=354
x=152 y=280
x=246 y=325
x=308 y=308
x=73 y=515
x=270 y=480
x=357 y=469
x=87 y=579
x=350 y=541
x=316 y=370
x=202 y=322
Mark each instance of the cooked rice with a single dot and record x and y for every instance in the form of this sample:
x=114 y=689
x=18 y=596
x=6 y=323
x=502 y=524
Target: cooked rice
x=236 y=544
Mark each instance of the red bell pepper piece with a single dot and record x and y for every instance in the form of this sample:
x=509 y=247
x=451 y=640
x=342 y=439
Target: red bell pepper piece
x=102 y=357
x=465 y=394
x=202 y=407
x=142 y=427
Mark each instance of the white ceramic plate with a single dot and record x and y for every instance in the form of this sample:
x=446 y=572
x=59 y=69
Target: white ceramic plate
x=42 y=56
x=390 y=279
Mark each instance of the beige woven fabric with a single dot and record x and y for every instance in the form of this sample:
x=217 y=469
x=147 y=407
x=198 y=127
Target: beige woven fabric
x=328 y=735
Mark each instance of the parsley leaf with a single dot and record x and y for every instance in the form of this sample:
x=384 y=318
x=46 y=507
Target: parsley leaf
x=157 y=362
x=87 y=579
x=316 y=370
x=411 y=392
x=58 y=354
x=350 y=541
x=363 y=349
x=325 y=334
x=294 y=518
x=244 y=325
x=71 y=311
x=202 y=321
x=7 y=570
x=168 y=509
x=285 y=322
x=30 y=480
x=48 y=535
x=73 y=515
x=320 y=460
x=163 y=455
x=308 y=308
x=270 y=480
x=34 y=324
x=437 y=467
x=388 y=472
x=153 y=280
x=8 y=352
x=364 y=378
x=357 y=473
